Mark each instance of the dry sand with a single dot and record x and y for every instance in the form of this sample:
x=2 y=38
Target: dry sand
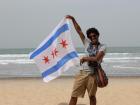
x=33 y=91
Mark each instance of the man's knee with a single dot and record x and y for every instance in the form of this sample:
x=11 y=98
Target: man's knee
x=74 y=98
x=73 y=101
x=93 y=98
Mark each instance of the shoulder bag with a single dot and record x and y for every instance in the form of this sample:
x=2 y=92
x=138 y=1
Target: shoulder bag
x=101 y=77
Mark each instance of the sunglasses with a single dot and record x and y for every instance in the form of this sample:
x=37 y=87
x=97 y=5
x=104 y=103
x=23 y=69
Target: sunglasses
x=90 y=36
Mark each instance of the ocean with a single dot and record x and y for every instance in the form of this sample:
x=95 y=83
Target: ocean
x=118 y=61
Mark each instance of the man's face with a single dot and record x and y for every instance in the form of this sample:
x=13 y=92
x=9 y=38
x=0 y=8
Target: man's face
x=94 y=38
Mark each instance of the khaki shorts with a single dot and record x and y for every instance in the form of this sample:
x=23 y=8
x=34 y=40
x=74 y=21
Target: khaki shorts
x=84 y=81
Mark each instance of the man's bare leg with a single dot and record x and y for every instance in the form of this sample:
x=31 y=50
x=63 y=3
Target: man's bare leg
x=92 y=100
x=73 y=101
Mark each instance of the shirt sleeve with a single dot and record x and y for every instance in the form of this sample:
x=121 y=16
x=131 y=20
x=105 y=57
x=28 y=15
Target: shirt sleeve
x=86 y=42
x=103 y=48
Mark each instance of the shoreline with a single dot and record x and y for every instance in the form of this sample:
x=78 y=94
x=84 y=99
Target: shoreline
x=63 y=76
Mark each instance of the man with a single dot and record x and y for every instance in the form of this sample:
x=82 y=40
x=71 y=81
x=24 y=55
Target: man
x=86 y=79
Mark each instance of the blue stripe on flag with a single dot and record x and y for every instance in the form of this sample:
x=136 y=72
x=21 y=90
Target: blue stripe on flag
x=50 y=41
x=60 y=63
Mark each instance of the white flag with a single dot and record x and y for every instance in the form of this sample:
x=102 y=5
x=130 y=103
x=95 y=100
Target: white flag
x=56 y=53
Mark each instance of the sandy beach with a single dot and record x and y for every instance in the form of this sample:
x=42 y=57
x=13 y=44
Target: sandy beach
x=33 y=91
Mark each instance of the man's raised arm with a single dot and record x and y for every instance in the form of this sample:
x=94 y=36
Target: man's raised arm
x=77 y=27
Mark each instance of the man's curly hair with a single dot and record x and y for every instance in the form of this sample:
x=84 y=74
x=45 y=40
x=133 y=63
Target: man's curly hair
x=92 y=30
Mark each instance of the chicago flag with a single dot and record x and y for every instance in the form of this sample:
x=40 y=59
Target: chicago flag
x=56 y=53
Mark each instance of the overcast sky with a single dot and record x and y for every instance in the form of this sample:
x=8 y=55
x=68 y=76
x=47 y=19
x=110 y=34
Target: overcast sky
x=25 y=23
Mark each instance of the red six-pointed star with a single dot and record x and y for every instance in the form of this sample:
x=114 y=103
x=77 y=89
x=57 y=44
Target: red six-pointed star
x=46 y=59
x=63 y=43
x=54 y=53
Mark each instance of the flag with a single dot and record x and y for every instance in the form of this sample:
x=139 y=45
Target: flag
x=56 y=53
